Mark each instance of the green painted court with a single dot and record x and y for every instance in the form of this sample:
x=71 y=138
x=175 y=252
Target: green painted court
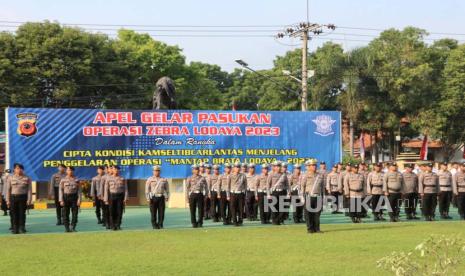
x=343 y=249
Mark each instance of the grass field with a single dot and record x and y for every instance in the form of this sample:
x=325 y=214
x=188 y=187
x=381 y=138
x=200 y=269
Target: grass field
x=343 y=248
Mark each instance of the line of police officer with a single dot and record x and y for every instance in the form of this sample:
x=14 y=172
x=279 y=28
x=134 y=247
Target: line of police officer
x=239 y=192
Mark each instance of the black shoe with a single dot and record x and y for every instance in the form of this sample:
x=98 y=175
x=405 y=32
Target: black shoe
x=67 y=230
x=108 y=227
x=310 y=231
x=194 y=225
x=99 y=221
x=59 y=222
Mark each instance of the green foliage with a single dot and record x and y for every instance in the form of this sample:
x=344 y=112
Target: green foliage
x=346 y=159
x=437 y=255
x=396 y=76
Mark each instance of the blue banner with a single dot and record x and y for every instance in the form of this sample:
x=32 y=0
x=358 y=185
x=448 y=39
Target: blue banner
x=136 y=140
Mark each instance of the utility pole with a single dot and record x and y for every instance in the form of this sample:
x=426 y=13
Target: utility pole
x=303 y=31
x=304 y=103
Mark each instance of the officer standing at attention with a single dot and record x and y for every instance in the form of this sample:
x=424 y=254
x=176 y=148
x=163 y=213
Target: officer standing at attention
x=428 y=187
x=224 y=201
x=157 y=193
x=244 y=167
x=115 y=196
x=333 y=187
x=237 y=186
x=285 y=170
x=101 y=194
x=53 y=190
x=355 y=191
x=261 y=196
x=95 y=193
x=214 y=183
x=393 y=186
x=375 y=182
x=2 y=195
x=295 y=193
x=410 y=192
x=459 y=190
x=206 y=204
x=342 y=176
x=277 y=185
x=445 y=190
x=5 y=177
x=196 y=190
x=250 y=201
x=18 y=197
x=322 y=170
x=312 y=189
x=70 y=198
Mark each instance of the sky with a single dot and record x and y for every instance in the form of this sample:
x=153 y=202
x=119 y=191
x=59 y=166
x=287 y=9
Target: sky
x=445 y=16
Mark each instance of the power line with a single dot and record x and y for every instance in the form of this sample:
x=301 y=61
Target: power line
x=151 y=26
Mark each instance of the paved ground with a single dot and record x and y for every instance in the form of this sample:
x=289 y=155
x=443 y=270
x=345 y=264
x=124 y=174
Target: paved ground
x=138 y=218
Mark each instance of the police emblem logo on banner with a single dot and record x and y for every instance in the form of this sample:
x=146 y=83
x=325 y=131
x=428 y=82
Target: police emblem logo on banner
x=324 y=125
x=27 y=124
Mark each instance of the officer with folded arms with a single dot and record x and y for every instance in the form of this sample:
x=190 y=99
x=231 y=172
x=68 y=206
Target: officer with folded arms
x=196 y=190
x=70 y=196
x=18 y=197
x=157 y=193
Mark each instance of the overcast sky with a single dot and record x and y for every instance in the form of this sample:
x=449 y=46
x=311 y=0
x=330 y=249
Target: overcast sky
x=446 y=16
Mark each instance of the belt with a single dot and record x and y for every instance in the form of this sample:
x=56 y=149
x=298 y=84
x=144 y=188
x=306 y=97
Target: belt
x=215 y=190
x=358 y=191
x=158 y=195
x=394 y=191
x=429 y=185
x=446 y=186
x=373 y=185
x=196 y=192
x=261 y=191
x=19 y=195
x=116 y=194
x=462 y=186
x=278 y=190
x=334 y=185
x=237 y=192
x=250 y=190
